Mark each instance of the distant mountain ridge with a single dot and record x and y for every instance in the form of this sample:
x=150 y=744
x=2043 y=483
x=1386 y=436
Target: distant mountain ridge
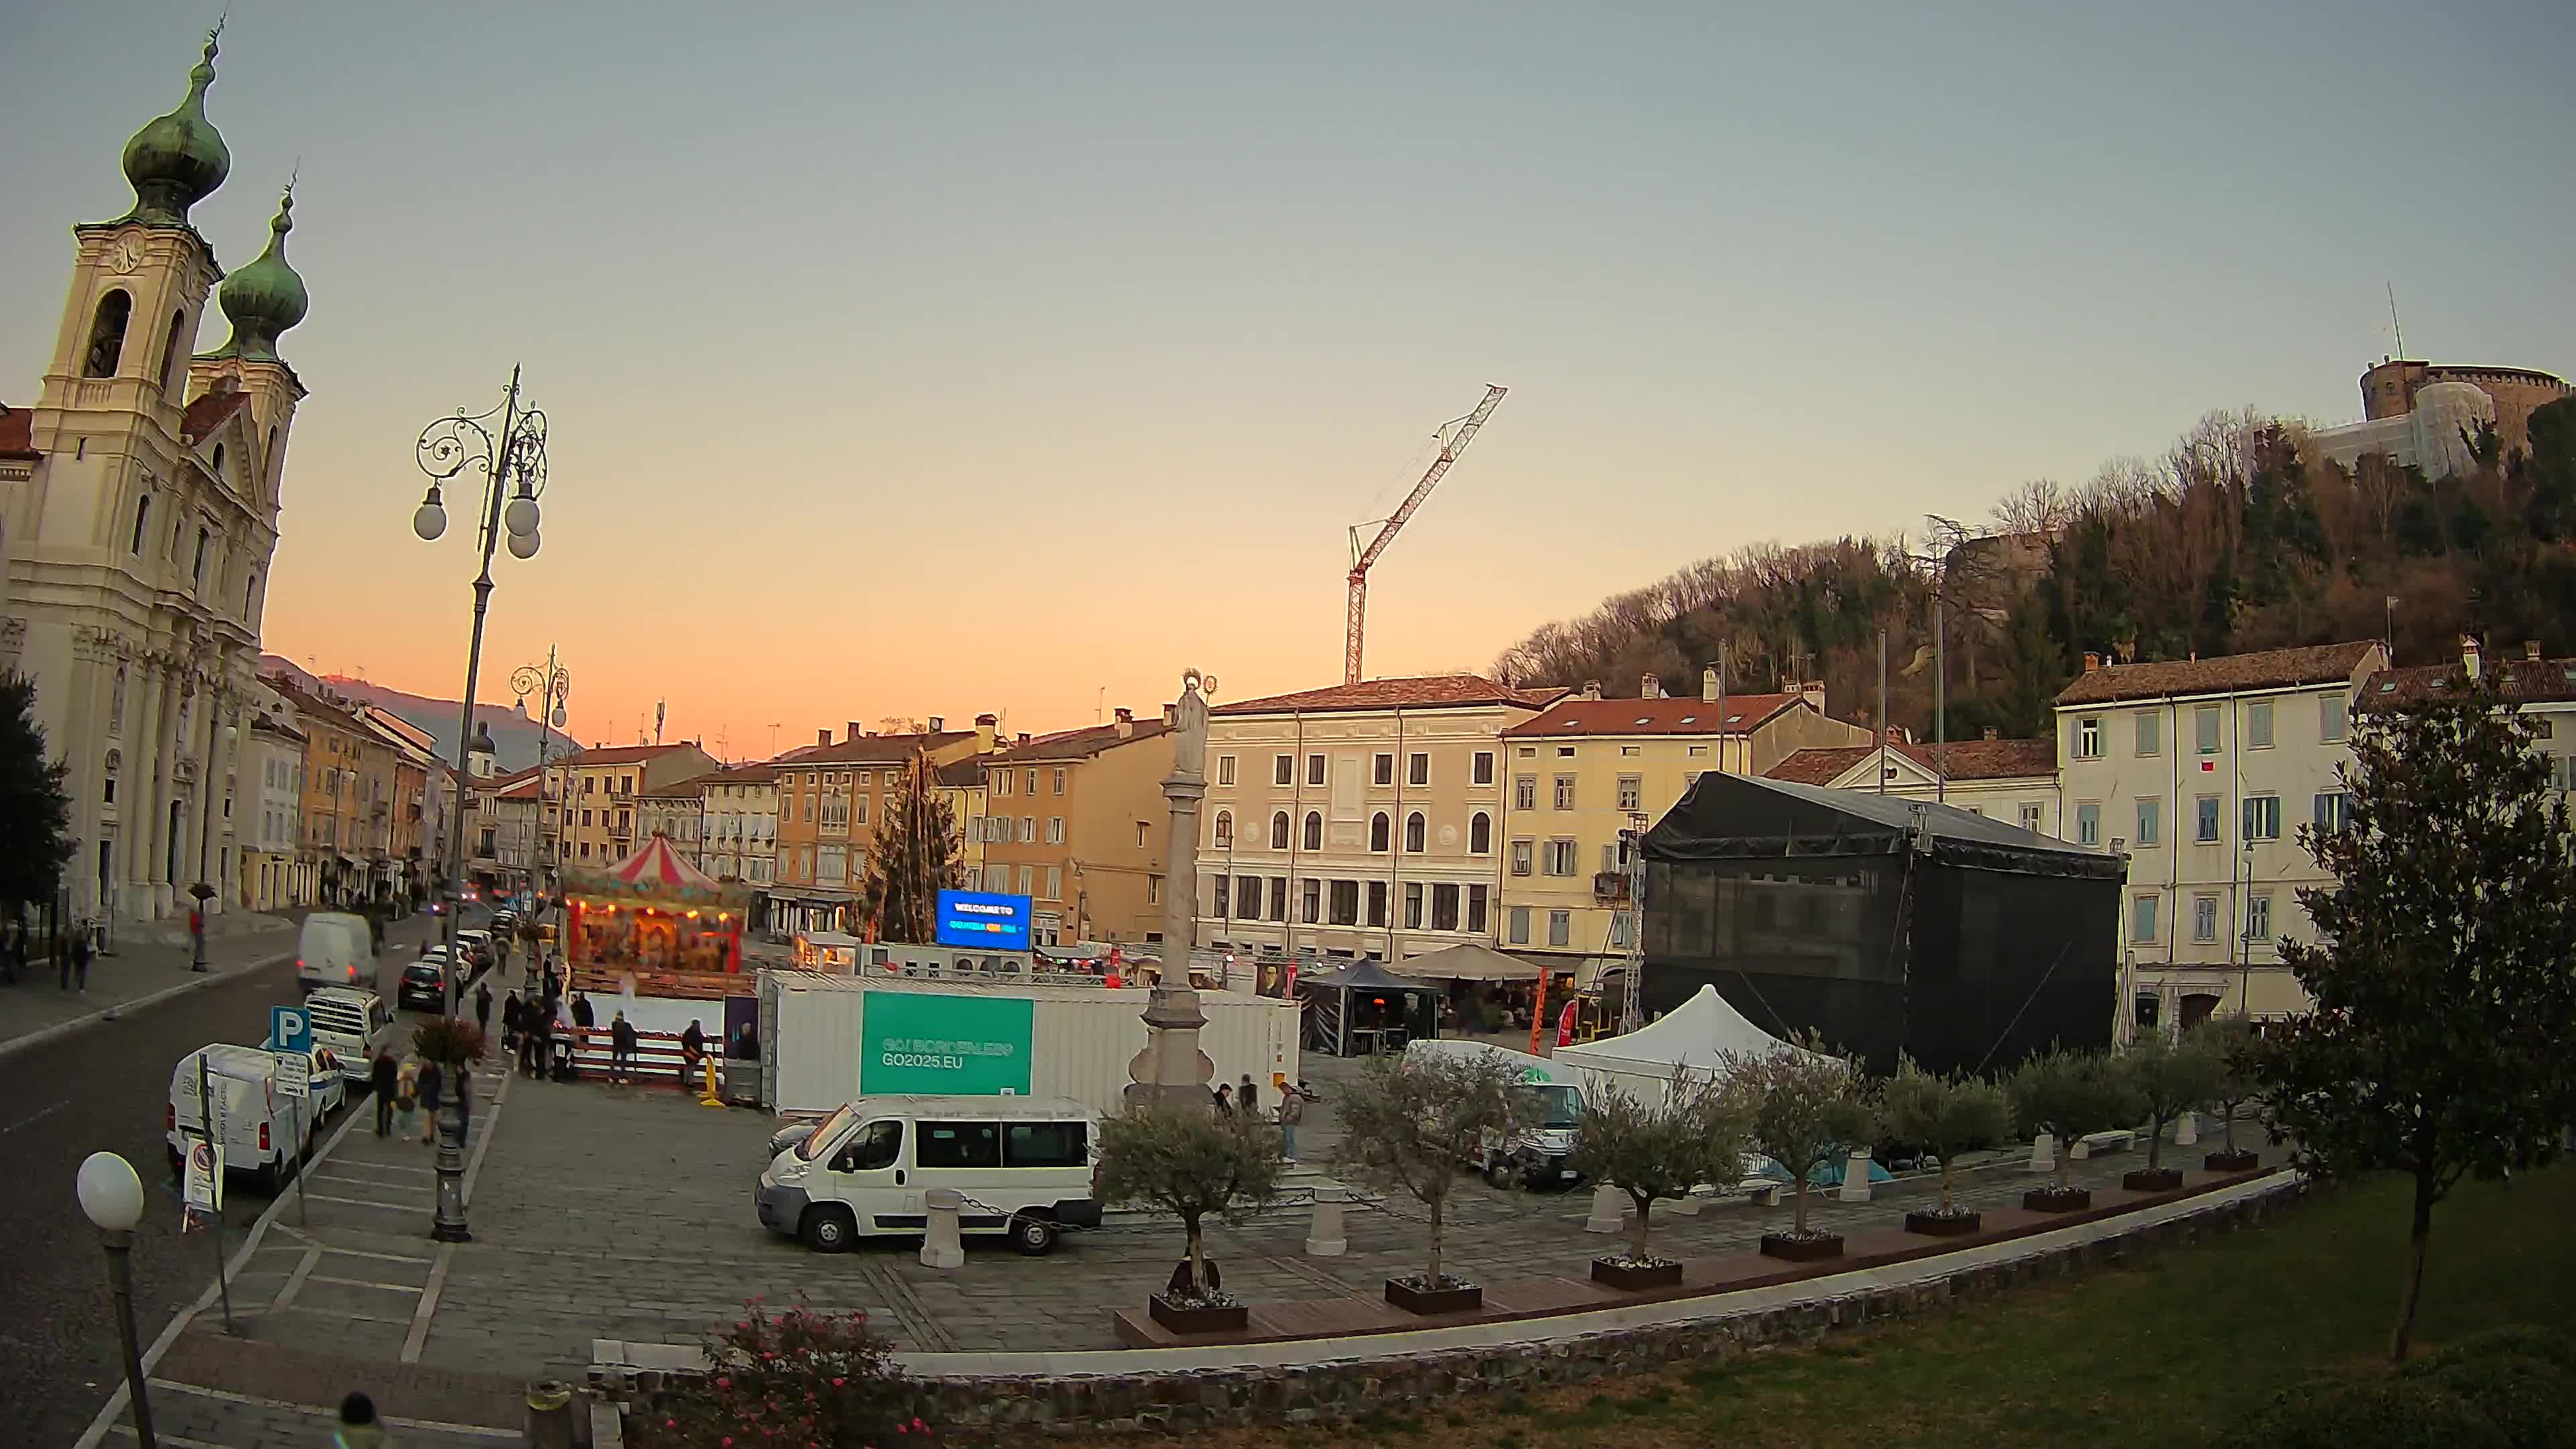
x=515 y=737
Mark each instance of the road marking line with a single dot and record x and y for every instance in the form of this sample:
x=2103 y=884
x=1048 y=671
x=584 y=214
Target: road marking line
x=172 y=1439
x=351 y=1314
x=42 y=1115
x=397 y=1207
x=375 y=1182
x=428 y=1308
x=479 y=1431
x=365 y=1283
x=295 y=1280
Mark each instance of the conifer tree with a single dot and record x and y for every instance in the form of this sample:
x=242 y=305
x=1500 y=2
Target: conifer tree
x=35 y=810
x=915 y=856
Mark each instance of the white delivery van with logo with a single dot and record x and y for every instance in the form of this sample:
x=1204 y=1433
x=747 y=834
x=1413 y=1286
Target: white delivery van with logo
x=336 y=949
x=1022 y=1164
x=259 y=1125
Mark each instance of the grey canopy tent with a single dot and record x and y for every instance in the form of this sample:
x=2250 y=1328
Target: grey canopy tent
x=1365 y=1008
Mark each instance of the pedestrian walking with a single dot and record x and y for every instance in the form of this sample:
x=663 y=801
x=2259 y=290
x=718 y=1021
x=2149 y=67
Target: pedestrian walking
x=464 y=1102
x=1292 y=1110
x=432 y=1079
x=693 y=1050
x=80 y=952
x=621 y=1050
x=359 y=1427
x=406 y=1095
x=1247 y=1098
x=385 y=1078
x=1225 y=1098
x=483 y=1008
x=513 y=1016
x=532 y=1041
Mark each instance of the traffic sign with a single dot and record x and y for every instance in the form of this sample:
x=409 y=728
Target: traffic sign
x=290 y=1029
x=203 y=1190
x=294 y=1074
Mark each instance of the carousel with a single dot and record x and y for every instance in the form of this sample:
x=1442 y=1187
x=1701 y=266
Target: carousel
x=654 y=914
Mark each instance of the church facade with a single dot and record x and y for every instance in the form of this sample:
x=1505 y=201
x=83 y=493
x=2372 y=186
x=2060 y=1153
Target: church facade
x=141 y=501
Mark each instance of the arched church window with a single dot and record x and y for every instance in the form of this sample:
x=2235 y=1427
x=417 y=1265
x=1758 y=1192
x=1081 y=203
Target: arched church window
x=219 y=460
x=107 y=334
x=170 y=352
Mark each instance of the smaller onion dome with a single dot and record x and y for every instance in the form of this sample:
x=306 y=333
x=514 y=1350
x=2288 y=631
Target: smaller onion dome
x=178 y=160
x=266 y=297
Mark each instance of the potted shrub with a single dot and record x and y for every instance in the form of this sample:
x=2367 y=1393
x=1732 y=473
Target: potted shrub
x=793 y=1376
x=1800 y=1107
x=2071 y=1095
x=1407 y=1124
x=1191 y=1161
x=1656 y=1152
x=1945 y=1116
x=2169 y=1078
x=2231 y=1042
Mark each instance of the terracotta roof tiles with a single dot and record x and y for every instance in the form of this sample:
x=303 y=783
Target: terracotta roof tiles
x=1077 y=744
x=874 y=749
x=2225 y=674
x=17 y=433
x=1967 y=760
x=620 y=755
x=2529 y=681
x=1744 y=714
x=209 y=411
x=1437 y=691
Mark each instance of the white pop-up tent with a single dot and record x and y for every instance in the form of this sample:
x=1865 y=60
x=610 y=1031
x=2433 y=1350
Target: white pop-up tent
x=1696 y=1036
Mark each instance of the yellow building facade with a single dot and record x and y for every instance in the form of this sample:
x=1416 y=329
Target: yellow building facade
x=1076 y=821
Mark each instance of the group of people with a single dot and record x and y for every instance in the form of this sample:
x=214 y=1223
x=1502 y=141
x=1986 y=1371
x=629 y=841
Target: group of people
x=69 y=949
x=416 y=1085
x=1245 y=1098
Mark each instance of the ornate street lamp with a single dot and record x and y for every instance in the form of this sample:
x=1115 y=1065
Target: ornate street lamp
x=111 y=1197
x=553 y=684
x=512 y=462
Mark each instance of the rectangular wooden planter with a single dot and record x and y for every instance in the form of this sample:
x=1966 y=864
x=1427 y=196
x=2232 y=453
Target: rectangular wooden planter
x=1466 y=1299
x=1802 y=1250
x=1236 y=1319
x=2152 y=1179
x=1944 y=1225
x=1632 y=1279
x=2231 y=1162
x=2056 y=1200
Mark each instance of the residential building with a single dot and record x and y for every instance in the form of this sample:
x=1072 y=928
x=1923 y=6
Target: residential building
x=415 y=842
x=2009 y=780
x=962 y=787
x=277 y=872
x=598 y=789
x=504 y=844
x=138 y=512
x=741 y=835
x=348 y=785
x=2202 y=770
x=1359 y=820
x=1585 y=769
x=2543 y=688
x=830 y=799
x=1076 y=821
x=677 y=812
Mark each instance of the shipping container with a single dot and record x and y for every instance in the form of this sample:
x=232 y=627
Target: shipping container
x=827 y=1039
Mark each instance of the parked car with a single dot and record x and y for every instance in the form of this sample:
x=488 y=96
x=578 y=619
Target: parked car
x=424 y=985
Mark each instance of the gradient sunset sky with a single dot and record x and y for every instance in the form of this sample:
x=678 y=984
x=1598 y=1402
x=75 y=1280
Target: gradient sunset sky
x=932 y=359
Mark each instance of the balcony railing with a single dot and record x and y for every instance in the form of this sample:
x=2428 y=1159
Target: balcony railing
x=1610 y=885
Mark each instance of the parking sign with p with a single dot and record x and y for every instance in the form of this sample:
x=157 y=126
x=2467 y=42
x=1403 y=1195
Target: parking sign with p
x=290 y=1029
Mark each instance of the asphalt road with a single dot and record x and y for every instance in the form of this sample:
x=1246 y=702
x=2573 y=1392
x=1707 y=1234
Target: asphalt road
x=107 y=1087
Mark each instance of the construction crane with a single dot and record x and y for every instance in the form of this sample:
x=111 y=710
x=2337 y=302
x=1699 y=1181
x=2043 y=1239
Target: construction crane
x=1455 y=436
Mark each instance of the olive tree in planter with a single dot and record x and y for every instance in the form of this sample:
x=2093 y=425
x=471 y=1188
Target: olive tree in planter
x=2233 y=1046
x=1800 y=1107
x=1945 y=1116
x=1408 y=1124
x=1654 y=1152
x=1191 y=1161
x=2072 y=1095
x=2169 y=1078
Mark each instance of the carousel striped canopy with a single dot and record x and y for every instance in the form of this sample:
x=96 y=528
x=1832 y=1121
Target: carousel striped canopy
x=654 y=872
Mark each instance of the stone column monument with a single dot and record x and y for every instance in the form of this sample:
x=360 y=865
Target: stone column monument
x=1171 y=1068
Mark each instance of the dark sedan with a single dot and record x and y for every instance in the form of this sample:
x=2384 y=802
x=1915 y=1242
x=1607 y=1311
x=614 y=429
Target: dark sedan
x=423 y=986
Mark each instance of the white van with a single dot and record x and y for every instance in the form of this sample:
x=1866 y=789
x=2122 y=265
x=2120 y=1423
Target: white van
x=353 y=1024
x=1023 y=1165
x=259 y=1123
x=1544 y=1155
x=336 y=949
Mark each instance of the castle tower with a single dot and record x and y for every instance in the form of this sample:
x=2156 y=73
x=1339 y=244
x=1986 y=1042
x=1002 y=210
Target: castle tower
x=139 y=531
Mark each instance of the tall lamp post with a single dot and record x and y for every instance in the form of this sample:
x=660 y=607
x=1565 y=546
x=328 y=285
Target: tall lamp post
x=553 y=683
x=111 y=1196
x=513 y=467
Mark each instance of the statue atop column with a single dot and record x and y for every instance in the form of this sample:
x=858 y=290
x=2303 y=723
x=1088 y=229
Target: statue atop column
x=1171 y=1068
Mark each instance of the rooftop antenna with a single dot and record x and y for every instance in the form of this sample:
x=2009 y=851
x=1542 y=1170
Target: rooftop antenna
x=773 y=739
x=2393 y=324
x=1099 y=704
x=659 y=706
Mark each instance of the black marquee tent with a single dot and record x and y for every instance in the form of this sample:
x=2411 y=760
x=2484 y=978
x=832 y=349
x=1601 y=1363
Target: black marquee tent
x=1364 y=1008
x=1884 y=924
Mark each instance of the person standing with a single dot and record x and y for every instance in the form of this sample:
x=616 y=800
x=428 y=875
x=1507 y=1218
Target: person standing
x=406 y=1096
x=431 y=1080
x=582 y=1014
x=385 y=1078
x=78 y=950
x=483 y=1008
x=1225 y=1099
x=1247 y=1098
x=621 y=1050
x=1292 y=1110
x=693 y=1050
x=511 y=1020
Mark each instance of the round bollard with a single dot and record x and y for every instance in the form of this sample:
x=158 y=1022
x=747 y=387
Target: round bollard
x=1856 y=1176
x=940 y=1246
x=549 y=1423
x=1324 y=1237
x=1609 y=1210
x=2043 y=1153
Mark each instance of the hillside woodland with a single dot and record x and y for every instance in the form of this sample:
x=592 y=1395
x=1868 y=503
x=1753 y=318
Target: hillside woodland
x=2237 y=538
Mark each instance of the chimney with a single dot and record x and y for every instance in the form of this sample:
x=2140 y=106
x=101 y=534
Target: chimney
x=856 y=732
x=822 y=737
x=1592 y=689
x=1126 y=722
x=1993 y=733
x=1650 y=687
x=2531 y=650
x=1024 y=737
x=1708 y=685
x=1813 y=692
x=2469 y=656
x=2092 y=661
x=939 y=724
x=987 y=726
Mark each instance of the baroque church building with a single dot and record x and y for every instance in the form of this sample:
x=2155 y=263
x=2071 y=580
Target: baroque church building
x=141 y=496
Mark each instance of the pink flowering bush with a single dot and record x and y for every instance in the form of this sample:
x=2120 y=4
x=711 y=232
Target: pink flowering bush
x=792 y=1379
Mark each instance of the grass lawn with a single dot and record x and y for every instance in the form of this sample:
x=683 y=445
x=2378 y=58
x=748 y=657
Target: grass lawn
x=2172 y=1351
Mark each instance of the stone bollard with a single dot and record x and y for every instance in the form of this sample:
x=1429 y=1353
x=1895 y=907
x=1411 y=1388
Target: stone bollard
x=1687 y=1205
x=549 y=1423
x=1609 y=1210
x=2187 y=1129
x=2043 y=1153
x=2081 y=1151
x=1324 y=1237
x=940 y=1246
x=1856 y=1176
